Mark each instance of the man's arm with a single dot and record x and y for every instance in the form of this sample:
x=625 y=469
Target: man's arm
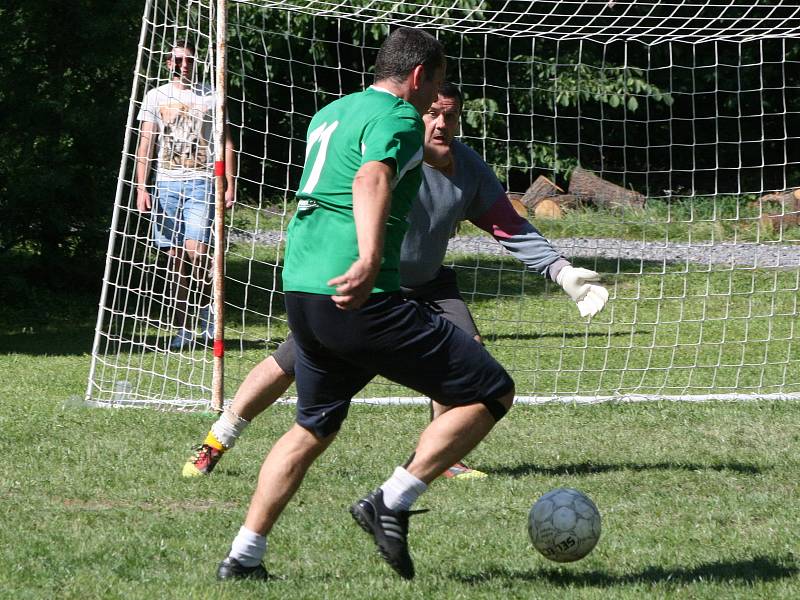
x=525 y=242
x=144 y=151
x=372 y=198
x=230 y=169
x=519 y=237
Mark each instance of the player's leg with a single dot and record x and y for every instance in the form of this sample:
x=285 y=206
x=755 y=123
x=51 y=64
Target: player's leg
x=407 y=343
x=443 y=297
x=281 y=474
x=455 y=433
x=446 y=363
x=325 y=385
x=265 y=383
x=168 y=236
x=198 y=217
x=454 y=309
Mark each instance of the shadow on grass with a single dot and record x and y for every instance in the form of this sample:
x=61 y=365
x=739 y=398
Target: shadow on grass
x=64 y=342
x=63 y=324
x=592 y=468
x=156 y=343
x=743 y=572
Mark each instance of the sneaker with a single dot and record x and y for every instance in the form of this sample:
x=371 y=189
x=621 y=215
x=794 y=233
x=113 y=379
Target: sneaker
x=462 y=471
x=206 y=323
x=183 y=338
x=207 y=339
x=230 y=568
x=203 y=461
x=389 y=529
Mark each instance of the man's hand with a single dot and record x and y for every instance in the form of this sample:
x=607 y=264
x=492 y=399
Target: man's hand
x=230 y=196
x=579 y=284
x=354 y=287
x=143 y=203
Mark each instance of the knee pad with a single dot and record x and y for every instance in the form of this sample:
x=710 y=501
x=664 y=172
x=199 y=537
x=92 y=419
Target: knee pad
x=496 y=408
x=284 y=356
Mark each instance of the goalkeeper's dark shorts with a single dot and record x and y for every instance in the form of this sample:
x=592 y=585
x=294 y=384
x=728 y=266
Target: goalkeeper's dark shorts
x=440 y=295
x=339 y=352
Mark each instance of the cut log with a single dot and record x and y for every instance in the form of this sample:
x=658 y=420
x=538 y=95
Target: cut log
x=516 y=202
x=592 y=188
x=781 y=221
x=540 y=189
x=551 y=207
x=785 y=214
x=785 y=198
x=548 y=208
x=567 y=201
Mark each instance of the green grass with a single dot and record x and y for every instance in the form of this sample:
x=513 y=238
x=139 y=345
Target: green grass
x=700 y=219
x=669 y=329
x=698 y=500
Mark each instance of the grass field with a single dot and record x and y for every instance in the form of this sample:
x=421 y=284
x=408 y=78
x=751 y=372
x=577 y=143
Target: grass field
x=669 y=329
x=699 y=219
x=698 y=500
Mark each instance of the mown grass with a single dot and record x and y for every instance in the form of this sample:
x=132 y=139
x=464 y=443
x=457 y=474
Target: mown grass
x=698 y=499
x=696 y=219
x=669 y=329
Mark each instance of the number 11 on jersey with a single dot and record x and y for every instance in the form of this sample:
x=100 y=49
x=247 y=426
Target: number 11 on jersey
x=321 y=134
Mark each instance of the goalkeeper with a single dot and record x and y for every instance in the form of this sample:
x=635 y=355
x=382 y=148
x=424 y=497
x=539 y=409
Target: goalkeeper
x=457 y=185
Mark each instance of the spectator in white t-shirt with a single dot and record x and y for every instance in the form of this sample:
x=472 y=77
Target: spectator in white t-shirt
x=177 y=119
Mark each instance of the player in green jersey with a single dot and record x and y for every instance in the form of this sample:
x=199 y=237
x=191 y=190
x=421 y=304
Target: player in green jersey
x=349 y=318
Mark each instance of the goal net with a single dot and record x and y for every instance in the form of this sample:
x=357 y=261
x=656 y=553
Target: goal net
x=669 y=137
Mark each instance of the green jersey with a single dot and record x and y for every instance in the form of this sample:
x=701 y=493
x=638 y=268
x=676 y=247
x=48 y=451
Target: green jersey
x=373 y=125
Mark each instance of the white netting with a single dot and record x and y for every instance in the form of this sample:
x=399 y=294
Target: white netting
x=695 y=105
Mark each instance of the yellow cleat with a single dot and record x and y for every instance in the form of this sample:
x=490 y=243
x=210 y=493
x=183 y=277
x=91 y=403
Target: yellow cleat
x=202 y=462
x=462 y=471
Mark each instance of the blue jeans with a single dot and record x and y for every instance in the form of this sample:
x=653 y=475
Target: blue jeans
x=183 y=210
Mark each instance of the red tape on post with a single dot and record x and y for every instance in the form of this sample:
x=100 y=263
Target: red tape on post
x=219 y=168
x=219 y=348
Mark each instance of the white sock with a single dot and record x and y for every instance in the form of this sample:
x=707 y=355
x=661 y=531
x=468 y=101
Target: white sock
x=402 y=489
x=228 y=428
x=248 y=547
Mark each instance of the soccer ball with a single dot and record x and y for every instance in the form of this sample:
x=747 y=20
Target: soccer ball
x=564 y=525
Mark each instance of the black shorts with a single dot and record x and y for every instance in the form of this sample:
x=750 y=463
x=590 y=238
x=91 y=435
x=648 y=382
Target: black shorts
x=339 y=352
x=439 y=295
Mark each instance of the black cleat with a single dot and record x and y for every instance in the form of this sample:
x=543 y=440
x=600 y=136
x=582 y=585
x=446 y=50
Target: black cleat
x=230 y=568
x=389 y=529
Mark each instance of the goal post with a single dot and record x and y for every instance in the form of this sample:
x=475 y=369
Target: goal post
x=667 y=132
x=220 y=138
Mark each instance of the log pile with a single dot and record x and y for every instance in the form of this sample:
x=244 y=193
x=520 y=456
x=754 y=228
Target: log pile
x=545 y=200
x=589 y=187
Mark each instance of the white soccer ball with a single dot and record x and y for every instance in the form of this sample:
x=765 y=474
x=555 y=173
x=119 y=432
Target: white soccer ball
x=564 y=525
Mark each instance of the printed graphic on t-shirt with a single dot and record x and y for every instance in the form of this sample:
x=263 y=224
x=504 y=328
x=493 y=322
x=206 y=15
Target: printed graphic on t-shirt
x=184 y=143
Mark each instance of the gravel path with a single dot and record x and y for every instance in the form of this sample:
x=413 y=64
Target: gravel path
x=741 y=254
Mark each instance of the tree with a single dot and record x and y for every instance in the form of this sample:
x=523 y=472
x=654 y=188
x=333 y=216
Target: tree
x=64 y=92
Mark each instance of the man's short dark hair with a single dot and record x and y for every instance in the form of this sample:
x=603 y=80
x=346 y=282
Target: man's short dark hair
x=450 y=90
x=183 y=43
x=404 y=49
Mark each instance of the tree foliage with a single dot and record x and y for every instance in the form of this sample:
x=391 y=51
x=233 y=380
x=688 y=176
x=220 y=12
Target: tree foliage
x=656 y=116
x=64 y=90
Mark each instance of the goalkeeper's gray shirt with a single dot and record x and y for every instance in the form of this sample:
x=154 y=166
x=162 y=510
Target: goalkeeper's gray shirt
x=472 y=193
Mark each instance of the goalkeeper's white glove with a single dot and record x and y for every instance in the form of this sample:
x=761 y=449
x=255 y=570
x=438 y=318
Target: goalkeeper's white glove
x=579 y=284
